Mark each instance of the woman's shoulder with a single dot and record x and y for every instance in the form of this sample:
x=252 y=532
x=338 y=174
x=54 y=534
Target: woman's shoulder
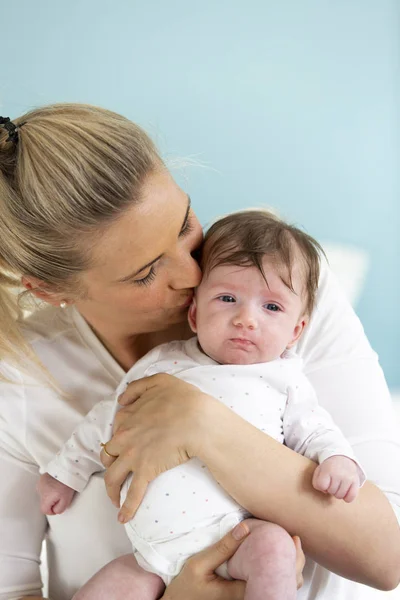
x=334 y=332
x=37 y=413
x=64 y=342
x=46 y=324
x=19 y=381
x=39 y=328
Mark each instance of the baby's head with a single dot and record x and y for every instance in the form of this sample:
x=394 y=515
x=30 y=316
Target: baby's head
x=260 y=278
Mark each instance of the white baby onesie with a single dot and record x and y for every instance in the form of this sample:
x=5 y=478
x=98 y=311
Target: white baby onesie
x=185 y=509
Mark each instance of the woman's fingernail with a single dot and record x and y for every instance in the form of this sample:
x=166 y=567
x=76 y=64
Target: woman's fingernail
x=297 y=540
x=240 y=531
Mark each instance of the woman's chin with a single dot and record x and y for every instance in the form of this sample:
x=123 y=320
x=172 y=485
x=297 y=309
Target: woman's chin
x=173 y=317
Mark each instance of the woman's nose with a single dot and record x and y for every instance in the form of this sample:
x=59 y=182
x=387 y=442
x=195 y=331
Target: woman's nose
x=187 y=274
x=245 y=319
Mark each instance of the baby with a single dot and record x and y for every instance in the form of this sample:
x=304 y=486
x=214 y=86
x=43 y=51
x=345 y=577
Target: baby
x=260 y=277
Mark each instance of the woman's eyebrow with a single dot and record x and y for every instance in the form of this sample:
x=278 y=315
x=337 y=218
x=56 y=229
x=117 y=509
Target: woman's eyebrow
x=149 y=264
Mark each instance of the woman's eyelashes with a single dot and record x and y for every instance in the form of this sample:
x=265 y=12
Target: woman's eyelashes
x=148 y=279
x=187 y=228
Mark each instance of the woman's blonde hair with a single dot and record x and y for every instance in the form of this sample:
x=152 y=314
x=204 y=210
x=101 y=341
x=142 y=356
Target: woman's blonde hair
x=70 y=169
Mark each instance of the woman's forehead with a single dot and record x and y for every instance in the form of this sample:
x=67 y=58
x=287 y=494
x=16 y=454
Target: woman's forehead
x=144 y=231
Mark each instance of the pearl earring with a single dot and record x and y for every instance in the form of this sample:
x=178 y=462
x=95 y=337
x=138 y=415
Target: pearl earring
x=63 y=304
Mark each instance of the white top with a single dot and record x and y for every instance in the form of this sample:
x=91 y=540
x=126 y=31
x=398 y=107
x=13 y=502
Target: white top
x=276 y=397
x=35 y=421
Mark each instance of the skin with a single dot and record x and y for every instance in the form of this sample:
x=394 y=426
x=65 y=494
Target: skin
x=129 y=325
x=240 y=320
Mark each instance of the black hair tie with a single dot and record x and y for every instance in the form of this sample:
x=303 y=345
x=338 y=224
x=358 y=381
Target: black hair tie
x=11 y=128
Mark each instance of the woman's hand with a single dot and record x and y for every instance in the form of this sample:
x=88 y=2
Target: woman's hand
x=159 y=428
x=198 y=581
x=300 y=561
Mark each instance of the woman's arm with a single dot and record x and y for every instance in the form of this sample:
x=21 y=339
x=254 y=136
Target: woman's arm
x=360 y=541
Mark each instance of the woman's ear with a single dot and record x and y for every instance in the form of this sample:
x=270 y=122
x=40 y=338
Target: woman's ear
x=298 y=330
x=42 y=291
x=192 y=316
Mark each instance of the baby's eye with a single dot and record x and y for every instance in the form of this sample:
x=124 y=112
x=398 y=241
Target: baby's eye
x=227 y=298
x=272 y=307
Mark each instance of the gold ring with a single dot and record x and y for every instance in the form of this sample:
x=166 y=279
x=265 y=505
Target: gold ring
x=104 y=446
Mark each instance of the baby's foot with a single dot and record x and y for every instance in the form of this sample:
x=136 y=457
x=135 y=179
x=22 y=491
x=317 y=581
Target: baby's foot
x=55 y=496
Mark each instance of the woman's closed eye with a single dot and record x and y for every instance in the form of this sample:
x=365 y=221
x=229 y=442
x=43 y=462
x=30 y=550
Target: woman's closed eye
x=148 y=279
x=187 y=228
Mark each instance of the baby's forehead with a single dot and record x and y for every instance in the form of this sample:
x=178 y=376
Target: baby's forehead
x=271 y=271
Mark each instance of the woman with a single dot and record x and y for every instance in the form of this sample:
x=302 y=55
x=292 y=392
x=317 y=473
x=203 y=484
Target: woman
x=94 y=225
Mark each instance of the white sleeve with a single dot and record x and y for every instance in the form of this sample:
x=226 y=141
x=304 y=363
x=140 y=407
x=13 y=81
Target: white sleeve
x=349 y=383
x=79 y=457
x=142 y=367
x=22 y=525
x=309 y=429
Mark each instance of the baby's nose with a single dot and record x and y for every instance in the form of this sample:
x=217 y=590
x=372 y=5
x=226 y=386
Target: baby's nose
x=246 y=320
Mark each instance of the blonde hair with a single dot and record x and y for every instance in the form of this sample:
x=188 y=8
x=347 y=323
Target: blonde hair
x=73 y=169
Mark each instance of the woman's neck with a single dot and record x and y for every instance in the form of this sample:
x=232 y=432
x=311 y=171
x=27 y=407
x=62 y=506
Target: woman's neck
x=128 y=349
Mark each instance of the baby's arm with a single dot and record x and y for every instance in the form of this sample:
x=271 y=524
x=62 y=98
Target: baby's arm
x=78 y=459
x=310 y=430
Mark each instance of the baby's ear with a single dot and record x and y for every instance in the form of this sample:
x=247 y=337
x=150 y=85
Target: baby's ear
x=298 y=330
x=192 y=314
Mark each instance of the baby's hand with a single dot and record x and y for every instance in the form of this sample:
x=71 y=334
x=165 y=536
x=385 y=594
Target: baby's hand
x=338 y=476
x=55 y=496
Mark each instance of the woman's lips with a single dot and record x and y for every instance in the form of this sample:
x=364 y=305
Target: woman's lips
x=187 y=302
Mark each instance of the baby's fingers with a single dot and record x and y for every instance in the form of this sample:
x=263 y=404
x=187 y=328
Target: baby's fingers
x=47 y=505
x=134 y=497
x=352 y=492
x=321 y=480
x=342 y=489
x=334 y=486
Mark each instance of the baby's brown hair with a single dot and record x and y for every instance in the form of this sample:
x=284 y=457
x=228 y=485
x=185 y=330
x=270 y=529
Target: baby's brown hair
x=245 y=238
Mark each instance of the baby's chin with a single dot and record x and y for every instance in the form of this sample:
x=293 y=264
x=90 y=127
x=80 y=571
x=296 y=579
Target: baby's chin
x=238 y=357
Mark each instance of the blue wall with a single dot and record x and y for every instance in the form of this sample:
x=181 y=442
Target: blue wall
x=292 y=103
